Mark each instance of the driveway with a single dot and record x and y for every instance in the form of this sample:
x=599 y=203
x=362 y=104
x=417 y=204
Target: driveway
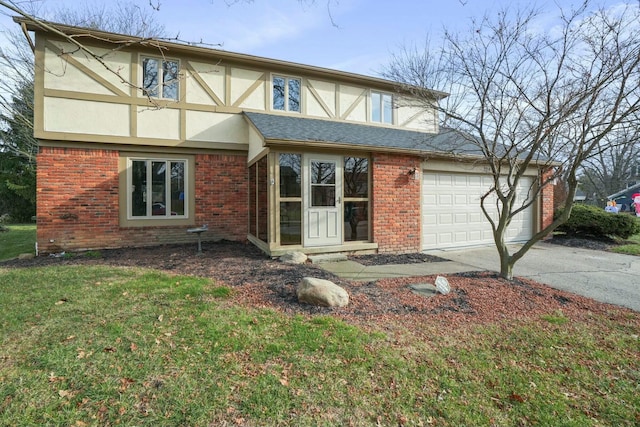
x=603 y=276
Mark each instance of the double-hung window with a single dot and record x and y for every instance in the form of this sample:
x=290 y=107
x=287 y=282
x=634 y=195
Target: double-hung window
x=160 y=78
x=381 y=107
x=157 y=188
x=286 y=93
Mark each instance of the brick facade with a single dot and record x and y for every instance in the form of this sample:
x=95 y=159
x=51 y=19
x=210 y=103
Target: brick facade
x=396 y=203
x=222 y=195
x=548 y=201
x=78 y=201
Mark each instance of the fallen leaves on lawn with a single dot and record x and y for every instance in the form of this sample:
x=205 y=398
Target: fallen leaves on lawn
x=388 y=304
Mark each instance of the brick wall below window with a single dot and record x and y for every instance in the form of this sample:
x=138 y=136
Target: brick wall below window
x=78 y=202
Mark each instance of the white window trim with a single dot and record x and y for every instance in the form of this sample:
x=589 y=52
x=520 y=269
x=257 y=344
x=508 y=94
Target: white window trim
x=286 y=92
x=160 y=87
x=130 y=216
x=382 y=117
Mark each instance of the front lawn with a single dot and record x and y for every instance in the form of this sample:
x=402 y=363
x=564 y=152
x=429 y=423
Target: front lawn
x=631 y=246
x=20 y=239
x=104 y=345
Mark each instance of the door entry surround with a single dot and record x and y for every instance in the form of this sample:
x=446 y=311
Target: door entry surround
x=322 y=200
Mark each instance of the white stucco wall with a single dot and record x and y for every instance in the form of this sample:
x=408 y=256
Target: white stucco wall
x=158 y=123
x=216 y=127
x=75 y=116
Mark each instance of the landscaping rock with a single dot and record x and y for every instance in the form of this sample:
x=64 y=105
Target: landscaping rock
x=426 y=290
x=294 y=258
x=321 y=292
x=442 y=285
x=26 y=256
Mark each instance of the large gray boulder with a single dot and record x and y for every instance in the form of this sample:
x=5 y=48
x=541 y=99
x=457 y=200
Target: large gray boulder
x=294 y=258
x=322 y=292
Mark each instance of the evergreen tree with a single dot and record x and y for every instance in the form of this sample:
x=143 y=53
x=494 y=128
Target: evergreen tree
x=18 y=149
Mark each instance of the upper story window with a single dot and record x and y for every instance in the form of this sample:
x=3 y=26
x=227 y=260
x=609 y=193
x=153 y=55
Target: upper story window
x=160 y=78
x=381 y=107
x=286 y=94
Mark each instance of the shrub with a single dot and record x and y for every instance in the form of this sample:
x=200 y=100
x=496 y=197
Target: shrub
x=594 y=221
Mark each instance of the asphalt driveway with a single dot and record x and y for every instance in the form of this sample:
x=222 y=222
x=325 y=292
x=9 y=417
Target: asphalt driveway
x=603 y=276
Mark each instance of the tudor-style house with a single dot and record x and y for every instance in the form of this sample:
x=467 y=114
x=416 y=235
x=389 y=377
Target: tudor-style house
x=159 y=137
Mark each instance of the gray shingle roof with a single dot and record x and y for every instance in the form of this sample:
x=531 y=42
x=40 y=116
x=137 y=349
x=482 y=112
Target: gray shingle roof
x=297 y=129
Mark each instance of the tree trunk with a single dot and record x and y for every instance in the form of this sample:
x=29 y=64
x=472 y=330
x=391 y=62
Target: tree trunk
x=506 y=266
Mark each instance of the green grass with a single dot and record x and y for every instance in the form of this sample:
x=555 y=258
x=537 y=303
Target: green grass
x=84 y=346
x=20 y=239
x=631 y=246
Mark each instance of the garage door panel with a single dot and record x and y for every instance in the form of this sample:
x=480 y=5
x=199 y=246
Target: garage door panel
x=461 y=218
x=445 y=219
x=476 y=218
x=431 y=199
x=445 y=179
x=456 y=220
x=460 y=181
x=461 y=199
x=429 y=219
x=445 y=200
x=444 y=238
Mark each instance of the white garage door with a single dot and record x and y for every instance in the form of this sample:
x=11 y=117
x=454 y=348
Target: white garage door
x=451 y=214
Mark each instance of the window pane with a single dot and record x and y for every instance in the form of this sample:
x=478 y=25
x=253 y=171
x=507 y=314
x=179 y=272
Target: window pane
x=294 y=95
x=263 y=200
x=323 y=172
x=139 y=188
x=170 y=81
x=177 y=188
x=290 y=175
x=356 y=177
x=290 y=223
x=150 y=76
x=323 y=195
x=387 y=109
x=356 y=221
x=158 y=180
x=253 y=199
x=375 y=107
x=278 y=93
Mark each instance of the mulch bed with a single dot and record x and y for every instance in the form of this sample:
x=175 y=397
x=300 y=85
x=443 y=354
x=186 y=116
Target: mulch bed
x=259 y=281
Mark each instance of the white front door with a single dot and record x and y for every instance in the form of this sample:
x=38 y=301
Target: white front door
x=323 y=200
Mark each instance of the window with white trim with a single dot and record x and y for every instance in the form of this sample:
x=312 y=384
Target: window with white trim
x=160 y=78
x=381 y=107
x=157 y=188
x=286 y=93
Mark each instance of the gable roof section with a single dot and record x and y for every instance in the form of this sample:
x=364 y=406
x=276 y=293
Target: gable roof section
x=303 y=131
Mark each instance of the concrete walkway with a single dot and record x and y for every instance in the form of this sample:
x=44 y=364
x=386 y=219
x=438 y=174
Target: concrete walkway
x=604 y=276
x=355 y=271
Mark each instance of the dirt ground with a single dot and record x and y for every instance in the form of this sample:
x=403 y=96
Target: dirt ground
x=259 y=281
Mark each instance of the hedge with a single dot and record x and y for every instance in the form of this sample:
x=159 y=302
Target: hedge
x=594 y=221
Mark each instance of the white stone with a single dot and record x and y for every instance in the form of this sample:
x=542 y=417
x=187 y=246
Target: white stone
x=294 y=258
x=442 y=285
x=321 y=292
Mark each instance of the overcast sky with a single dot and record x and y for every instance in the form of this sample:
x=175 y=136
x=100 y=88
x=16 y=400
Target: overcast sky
x=349 y=35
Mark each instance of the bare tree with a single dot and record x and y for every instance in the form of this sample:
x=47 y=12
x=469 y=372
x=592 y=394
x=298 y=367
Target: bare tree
x=532 y=97
x=16 y=58
x=613 y=169
x=18 y=147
